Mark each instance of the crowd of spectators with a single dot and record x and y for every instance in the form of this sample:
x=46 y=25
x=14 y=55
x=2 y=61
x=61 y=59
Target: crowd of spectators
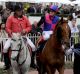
x=40 y=8
x=63 y=9
x=34 y=8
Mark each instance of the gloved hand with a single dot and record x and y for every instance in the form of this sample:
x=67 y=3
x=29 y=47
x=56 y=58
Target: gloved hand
x=69 y=51
x=23 y=32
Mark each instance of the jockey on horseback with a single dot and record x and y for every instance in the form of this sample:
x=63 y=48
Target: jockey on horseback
x=49 y=21
x=16 y=23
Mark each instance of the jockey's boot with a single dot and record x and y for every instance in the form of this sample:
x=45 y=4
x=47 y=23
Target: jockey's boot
x=33 y=65
x=41 y=46
x=7 y=61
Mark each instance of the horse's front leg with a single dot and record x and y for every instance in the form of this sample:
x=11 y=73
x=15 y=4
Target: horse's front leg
x=50 y=69
x=61 y=70
x=9 y=71
x=15 y=68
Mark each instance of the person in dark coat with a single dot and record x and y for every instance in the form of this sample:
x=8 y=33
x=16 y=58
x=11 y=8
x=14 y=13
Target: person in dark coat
x=76 y=66
x=76 y=49
x=36 y=31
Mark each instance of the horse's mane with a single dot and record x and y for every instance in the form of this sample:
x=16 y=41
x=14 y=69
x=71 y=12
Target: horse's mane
x=60 y=22
x=58 y=28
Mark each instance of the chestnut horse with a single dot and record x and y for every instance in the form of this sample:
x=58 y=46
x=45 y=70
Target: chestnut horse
x=52 y=56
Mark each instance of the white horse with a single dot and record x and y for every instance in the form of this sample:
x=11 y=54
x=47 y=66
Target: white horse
x=20 y=56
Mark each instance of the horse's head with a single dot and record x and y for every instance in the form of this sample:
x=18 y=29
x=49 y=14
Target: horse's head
x=63 y=33
x=15 y=46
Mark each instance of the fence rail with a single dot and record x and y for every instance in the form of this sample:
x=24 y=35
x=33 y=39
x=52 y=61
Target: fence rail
x=34 y=37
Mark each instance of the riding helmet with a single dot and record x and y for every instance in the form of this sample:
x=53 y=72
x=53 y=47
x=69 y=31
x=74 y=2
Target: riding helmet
x=54 y=8
x=18 y=7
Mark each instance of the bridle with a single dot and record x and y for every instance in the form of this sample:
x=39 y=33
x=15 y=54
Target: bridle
x=62 y=39
x=19 y=51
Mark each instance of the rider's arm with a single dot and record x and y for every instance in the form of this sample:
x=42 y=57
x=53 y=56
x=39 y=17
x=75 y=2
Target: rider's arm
x=42 y=20
x=9 y=26
x=28 y=25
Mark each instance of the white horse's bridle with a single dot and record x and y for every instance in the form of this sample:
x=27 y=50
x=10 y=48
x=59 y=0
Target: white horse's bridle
x=20 y=49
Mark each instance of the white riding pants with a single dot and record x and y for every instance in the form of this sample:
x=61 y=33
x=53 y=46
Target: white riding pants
x=8 y=44
x=46 y=34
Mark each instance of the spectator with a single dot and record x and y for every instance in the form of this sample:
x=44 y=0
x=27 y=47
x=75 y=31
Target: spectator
x=39 y=7
x=76 y=49
x=31 y=9
x=46 y=9
x=36 y=29
x=73 y=26
x=5 y=14
x=1 y=8
x=3 y=33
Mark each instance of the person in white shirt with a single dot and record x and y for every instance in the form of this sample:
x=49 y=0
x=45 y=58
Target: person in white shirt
x=73 y=26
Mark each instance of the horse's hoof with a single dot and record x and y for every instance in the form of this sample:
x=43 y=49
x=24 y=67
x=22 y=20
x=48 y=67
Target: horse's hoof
x=6 y=67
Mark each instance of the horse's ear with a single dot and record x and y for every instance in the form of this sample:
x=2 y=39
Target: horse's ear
x=61 y=19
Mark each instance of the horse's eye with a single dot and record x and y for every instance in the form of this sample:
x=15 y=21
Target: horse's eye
x=19 y=39
x=19 y=44
x=13 y=39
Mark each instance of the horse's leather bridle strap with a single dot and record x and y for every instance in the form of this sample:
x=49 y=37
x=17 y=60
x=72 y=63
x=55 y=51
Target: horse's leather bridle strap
x=19 y=53
x=22 y=62
x=14 y=50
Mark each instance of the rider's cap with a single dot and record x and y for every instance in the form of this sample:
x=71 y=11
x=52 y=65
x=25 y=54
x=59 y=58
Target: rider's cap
x=54 y=8
x=18 y=7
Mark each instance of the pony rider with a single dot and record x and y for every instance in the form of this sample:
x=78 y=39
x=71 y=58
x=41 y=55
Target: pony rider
x=16 y=23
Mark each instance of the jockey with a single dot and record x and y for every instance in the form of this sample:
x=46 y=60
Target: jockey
x=16 y=23
x=49 y=21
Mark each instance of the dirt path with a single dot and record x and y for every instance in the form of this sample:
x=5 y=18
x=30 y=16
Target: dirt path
x=67 y=71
